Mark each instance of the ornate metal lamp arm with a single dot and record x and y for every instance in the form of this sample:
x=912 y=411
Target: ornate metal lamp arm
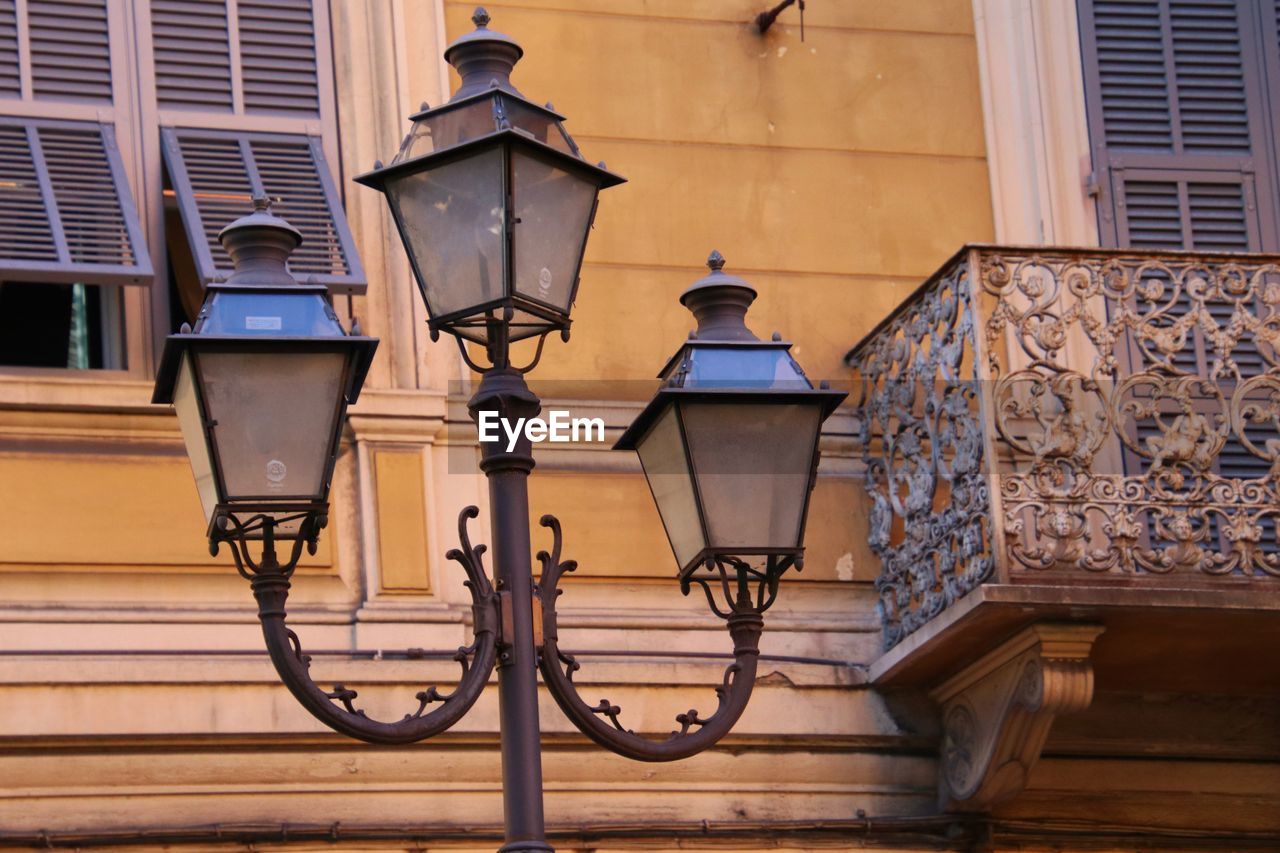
x=600 y=722
x=336 y=708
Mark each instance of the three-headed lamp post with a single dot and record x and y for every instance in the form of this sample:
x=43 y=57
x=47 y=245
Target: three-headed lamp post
x=494 y=203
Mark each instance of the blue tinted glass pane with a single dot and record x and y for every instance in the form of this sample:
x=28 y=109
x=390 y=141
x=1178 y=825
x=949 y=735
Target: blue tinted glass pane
x=712 y=367
x=270 y=314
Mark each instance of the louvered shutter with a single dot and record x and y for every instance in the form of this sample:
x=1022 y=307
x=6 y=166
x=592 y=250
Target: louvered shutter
x=66 y=213
x=278 y=56
x=214 y=176
x=1178 y=119
x=10 y=69
x=1179 y=124
x=70 y=49
x=199 y=44
x=225 y=69
x=191 y=44
x=1175 y=93
x=58 y=50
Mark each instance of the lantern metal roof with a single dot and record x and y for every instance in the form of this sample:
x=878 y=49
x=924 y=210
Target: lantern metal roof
x=724 y=358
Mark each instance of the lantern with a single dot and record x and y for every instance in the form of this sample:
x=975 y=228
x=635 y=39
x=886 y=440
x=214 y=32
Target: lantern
x=493 y=201
x=262 y=383
x=729 y=444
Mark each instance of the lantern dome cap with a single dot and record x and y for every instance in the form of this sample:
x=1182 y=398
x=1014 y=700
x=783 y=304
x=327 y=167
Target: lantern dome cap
x=262 y=217
x=259 y=245
x=719 y=303
x=483 y=57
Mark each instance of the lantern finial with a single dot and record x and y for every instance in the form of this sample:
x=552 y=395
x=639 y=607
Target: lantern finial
x=719 y=302
x=483 y=55
x=259 y=245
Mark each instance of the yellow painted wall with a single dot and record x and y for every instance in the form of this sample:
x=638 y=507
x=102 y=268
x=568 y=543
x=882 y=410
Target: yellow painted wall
x=834 y=174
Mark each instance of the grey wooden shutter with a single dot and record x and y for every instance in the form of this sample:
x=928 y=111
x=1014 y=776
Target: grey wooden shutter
x=10 y=68
x=1175 y=95
x=1180 y=127
x=199 y=45
x=192 y=48
x=226 y=69
x=215 y=175
x=278 y=56
x=56 y=50
x=70 y=49
x=66 y=213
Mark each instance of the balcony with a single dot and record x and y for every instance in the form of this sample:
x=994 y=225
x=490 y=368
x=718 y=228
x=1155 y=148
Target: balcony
x=1072 y=465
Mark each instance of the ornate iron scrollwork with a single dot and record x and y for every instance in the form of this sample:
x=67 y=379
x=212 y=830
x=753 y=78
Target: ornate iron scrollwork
x=922 y=440
x=1075 y=411
x=1175 y=358
x=337 y=708
x=600 y=722
x=747 y=592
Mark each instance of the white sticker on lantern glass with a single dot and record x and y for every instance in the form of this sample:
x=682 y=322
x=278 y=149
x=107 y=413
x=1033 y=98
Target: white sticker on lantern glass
x=263 y=324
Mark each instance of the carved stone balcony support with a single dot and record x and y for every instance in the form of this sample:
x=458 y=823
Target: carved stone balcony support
x=996 y=712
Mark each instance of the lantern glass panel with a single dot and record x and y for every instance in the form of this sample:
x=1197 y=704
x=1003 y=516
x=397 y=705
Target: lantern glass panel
x=275 y=417
x=447 y=128
x=666 y=468
x=451 y=217
x=709 y=366
x=753 y=463
x=552 y=212
x=525 y=325
x=187 y=406
x=544 y=128
x=269 y=314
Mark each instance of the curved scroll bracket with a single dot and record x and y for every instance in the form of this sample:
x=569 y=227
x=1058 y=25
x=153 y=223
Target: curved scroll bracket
x=997 y=712
x=601 y=722
x=336 y=708
x=238 y=534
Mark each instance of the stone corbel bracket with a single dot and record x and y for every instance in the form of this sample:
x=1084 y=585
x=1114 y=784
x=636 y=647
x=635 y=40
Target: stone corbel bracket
x=996 y=713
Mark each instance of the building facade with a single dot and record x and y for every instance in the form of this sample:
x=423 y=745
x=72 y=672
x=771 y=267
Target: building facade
x=839 y=171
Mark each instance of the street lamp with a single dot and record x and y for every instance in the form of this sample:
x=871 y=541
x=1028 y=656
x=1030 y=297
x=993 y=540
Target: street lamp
x=729 y=443
x=494 y=203
x=261 y=387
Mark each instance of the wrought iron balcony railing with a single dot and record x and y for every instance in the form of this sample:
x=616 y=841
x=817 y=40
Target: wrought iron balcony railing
x=1065 y=416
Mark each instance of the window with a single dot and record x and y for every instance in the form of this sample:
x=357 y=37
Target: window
x=131 y=132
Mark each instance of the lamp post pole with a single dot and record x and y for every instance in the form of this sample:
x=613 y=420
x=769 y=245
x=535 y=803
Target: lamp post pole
x=504 y=391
